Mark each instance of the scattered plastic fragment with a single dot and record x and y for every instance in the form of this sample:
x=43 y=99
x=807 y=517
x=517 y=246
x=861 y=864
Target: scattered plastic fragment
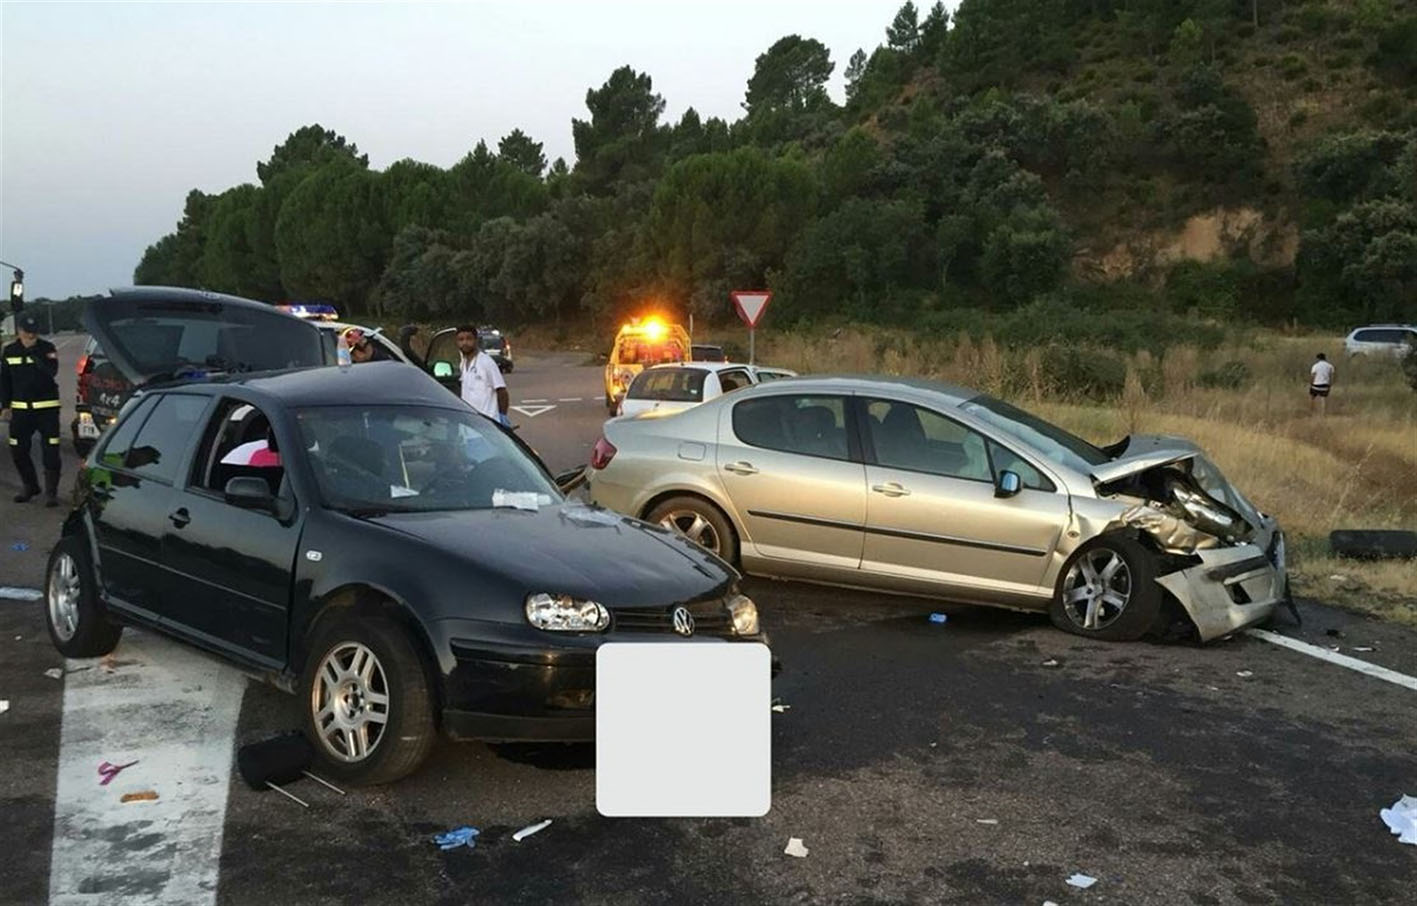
x=19 y=547
x=939 y=618
x=4 y=705
x=781 y=708
x=144 y=796
x=1365 y=648
x=1401 y=819
x=1244 y=674
x=1081 y=881
x=796 y=848
x=1049 y=903
x=1336 y=633
x=458 y=836
x=1336 y=578
x=530 y=829
x=108 y=771
x=986 y=820
x=55 y=673
x=1051 y=662
x=108 y=663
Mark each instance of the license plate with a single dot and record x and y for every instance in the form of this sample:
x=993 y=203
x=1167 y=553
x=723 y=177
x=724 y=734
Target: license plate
x=87 y=429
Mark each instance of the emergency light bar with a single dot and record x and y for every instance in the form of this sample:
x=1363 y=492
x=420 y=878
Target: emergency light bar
x=314 y=311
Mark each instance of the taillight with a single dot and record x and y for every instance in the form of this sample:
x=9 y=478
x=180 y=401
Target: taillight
x=82 y=365
x=602 y=453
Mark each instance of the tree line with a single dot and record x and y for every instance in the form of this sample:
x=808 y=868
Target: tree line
x=964 y=170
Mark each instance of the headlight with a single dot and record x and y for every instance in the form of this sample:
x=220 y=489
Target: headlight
x=745 y=615
x=562 y=613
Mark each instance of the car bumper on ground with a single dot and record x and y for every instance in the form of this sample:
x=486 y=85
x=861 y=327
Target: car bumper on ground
x=500 y=691
x=1231 y=588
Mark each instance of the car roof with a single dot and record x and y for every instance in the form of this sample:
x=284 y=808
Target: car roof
x=1371 y=326
x=369 y=383
x=701 y=366
x=955 y=394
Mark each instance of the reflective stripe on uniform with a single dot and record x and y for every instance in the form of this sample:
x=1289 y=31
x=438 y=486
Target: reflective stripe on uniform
x=20 y=404
x=45 y=404
x=54 y=440
x=14 y=442
x=14 y=360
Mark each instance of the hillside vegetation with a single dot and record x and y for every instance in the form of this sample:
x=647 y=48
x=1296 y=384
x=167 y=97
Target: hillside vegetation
x=1090 y=169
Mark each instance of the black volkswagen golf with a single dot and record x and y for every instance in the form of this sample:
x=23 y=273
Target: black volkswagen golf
x=358 y=537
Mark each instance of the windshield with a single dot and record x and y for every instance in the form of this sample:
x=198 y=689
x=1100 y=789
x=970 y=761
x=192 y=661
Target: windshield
x=679 y=385
x=643 y=352
x=489 y=343
x=415 y=459
x=1048 y=440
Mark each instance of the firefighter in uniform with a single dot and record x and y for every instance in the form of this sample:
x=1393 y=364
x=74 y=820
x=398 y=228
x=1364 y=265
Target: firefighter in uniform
x=30 y=394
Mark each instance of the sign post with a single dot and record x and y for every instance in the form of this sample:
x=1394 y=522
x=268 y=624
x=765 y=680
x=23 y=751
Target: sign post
x=750 y=305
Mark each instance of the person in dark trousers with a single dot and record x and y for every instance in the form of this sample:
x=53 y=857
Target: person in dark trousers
x=30 y=395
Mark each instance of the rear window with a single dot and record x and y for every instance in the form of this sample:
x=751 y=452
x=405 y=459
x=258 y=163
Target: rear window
x=678 y=385
x=159 y=338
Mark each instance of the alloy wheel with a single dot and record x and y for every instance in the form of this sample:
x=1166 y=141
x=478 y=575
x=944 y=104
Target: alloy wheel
x=64 y=593
x=350 y=701
x=694 y=527
x=1097 y=589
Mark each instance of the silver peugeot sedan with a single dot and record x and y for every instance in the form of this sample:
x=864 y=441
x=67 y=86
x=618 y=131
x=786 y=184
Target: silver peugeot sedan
x=925 y=488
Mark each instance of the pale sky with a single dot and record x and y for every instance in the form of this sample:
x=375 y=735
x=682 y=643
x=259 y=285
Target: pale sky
x=113 y=111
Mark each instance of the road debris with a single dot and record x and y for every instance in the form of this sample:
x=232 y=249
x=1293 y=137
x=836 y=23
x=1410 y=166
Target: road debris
x=55 y=673
x=796 y=848
x=4 y=705
x=1365 y=648
x=1081 y=881
x=144 y=796
x=458 y=836
x=108 y=663
x=1336 y=633
x=108 y=771
x=939 y=618
x=19 y=547
x=1401 y=819
x=1244 y=674
x=779 y=707
x=986 y=820
x=1051 y=662
x=530 y=829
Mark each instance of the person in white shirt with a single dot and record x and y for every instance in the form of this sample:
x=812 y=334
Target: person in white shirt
x=483 y=387
x=1320 y=382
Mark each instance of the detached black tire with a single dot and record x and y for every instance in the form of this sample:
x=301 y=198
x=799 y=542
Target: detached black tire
x=699 y=521
x=1107 y=590
x=77 y=620
x=366 y=701
x=1358 y=544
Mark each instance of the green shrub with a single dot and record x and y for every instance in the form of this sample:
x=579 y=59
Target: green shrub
x=1145 y=75
x=1086 y=372
x=1311 y=85
x=1348 y=41
x=1409 y=365
x=1396 y=54
x=1288 y=34
x=1245 y=29
x=1232 y=375
x=1291 y=66
x=1313 y=17
x=1339 y=61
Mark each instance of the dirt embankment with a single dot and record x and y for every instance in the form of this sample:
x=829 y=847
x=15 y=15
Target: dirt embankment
x=1221 y=233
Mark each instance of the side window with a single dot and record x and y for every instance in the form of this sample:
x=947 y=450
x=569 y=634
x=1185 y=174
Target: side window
x=1365 y=336
x=165 y=435
x=115 y=447
x=1006 y=460
x=443 y=348
x=809 y=425
x=733 y=380
x=239 y=442
x=909 y=437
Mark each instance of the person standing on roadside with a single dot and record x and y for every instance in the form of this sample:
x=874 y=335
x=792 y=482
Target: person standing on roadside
x=1320 y=382
x=483 y=387
x=28 y=390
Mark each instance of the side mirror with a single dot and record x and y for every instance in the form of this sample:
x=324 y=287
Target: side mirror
x=442 y=369
x=250 y=493
x=1008 y=484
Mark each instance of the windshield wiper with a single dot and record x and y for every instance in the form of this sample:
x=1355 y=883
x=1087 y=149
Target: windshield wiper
x=367 y=512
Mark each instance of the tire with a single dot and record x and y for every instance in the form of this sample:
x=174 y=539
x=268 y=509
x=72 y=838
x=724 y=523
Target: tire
x=610 y=405
x=391 y=748
x=1359 y=544
x=1132 y=582
x=78 y=622
x=699 y=521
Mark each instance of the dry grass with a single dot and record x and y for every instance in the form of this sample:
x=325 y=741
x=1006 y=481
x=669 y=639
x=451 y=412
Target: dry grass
x=1354 y=468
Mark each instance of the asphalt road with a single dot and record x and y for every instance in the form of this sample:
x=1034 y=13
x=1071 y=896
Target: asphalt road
x=984 y=760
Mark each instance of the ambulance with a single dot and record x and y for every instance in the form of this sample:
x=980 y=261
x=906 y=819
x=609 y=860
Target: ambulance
x=638 y=345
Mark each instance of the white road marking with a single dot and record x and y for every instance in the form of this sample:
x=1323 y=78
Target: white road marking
x=11 y=593
x=1342 y=660
x=570 y=399
x=534 y=411
x=533 y=401
x=175 y=712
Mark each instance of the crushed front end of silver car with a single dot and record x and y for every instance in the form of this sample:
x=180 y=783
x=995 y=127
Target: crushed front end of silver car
x=1225 y=561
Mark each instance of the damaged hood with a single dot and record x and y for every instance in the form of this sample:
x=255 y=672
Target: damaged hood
x=1142 y=452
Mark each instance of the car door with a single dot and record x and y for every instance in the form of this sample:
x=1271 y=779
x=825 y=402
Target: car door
x=444 y=360
x=140 y=503
x=231 y=566
x=933 y=520
x=790 y=467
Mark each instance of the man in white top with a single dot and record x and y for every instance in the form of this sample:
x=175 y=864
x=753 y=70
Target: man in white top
x=1320 y=382
x=483 y=387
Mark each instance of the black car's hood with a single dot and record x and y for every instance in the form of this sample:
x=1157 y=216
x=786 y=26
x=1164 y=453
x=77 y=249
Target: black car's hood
x=573 y=549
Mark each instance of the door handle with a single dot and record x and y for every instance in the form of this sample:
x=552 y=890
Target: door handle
x=181 y=517
x=891 y=489
x=741 y=468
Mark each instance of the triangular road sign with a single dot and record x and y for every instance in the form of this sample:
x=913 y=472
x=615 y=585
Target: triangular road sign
x=751 y=304
x=532 y=411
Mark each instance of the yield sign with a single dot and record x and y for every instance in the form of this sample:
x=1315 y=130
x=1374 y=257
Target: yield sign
x=751 y=305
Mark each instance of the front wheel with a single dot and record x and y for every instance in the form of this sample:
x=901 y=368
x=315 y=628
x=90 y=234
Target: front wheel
x=77 y=620
x=367 y=702
x=1108 y=591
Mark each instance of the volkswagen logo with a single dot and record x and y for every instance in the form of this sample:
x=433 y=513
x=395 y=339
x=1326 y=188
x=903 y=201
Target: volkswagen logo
x=683 y=621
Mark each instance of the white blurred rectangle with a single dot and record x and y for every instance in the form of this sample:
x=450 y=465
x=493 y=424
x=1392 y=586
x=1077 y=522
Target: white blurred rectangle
x=683 y=729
